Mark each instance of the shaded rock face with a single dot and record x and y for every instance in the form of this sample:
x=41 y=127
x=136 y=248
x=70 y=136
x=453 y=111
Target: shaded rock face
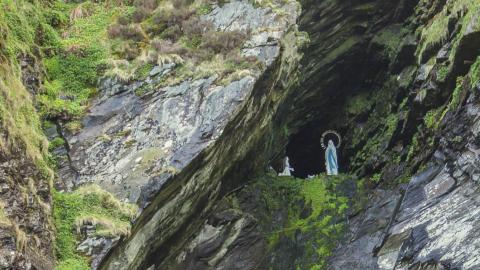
x=130 y=144
x=26 y=238
x=432 y=219
x=230 y=239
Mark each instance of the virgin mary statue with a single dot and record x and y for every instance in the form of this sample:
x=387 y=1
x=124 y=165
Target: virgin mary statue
x=331 y=159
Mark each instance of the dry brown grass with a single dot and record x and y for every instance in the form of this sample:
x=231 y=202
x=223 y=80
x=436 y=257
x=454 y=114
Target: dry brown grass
x=108 y=200
x=104 y=226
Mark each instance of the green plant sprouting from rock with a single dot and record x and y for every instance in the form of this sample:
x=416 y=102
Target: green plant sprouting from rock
x=437 y=32
x=325 y=200
x=78 y=60
x=87 y=205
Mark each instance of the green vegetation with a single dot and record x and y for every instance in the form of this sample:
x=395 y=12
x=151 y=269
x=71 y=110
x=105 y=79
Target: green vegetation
x=437 y=32
x=391 y=124
x=172 y=32
x=475 y=73
x=414 y=147
x=80 y=59
x=456 y=95
x=25 y=28
x=73 y=79
x=386 y=128
x=432 y=118
x=359 y=104
x=376 y=177
x=56 y=143
x=324 y=224
x=442 y=73
x=87 y=205
x=390 y=38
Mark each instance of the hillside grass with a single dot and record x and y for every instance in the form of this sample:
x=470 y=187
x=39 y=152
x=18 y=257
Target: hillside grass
x=87 y=205
x=78 y=61
x=157 y=33
x=24 y=29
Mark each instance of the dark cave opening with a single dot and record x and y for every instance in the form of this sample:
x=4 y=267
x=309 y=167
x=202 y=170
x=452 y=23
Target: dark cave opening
x=305 y=152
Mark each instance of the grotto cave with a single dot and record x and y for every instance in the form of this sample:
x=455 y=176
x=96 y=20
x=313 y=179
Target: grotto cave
x=306 y=154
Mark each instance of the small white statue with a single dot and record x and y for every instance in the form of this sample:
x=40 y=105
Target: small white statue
x=331 y=162
x=287 y=169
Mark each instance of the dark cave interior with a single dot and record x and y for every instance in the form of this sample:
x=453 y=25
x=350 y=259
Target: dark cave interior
x=306 y=154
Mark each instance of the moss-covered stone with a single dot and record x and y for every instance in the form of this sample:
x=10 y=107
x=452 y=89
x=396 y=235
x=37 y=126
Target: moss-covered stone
x=316 y=211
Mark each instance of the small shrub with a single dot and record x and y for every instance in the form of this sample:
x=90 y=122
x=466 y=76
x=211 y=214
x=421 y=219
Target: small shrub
x=73 y=126
x=127 y=32
x=205 y=9
x=47 y=36
x=160 y=17
x=56 y=18
x=177 y=16
x=191 y=42
x=81 y=11
x=376 y=178
x=57 y=142
x=178 y=4
x=142 y=72
x=126 y=71
x=123 y=20
x=223 y=42
x=140 y=14
x=162 y=46
x=173 y=33
x=431 y=118
x=72 y=79
x=148 y=5
x=196 y=27
x=126 y=50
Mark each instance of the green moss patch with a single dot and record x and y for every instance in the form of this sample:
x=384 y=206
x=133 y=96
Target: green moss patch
x=437 y=32
x=317 y=209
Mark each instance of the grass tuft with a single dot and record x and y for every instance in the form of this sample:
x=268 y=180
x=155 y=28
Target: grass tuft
x=87 y=205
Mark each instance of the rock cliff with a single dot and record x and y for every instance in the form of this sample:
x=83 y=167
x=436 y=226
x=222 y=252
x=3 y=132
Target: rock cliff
x=391 y=82
x=195 y=110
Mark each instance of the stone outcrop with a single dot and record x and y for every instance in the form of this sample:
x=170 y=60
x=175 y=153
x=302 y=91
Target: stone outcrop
x=131 y=144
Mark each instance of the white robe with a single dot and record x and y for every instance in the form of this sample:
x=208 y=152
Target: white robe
x=287 y=169
x=331 y=162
